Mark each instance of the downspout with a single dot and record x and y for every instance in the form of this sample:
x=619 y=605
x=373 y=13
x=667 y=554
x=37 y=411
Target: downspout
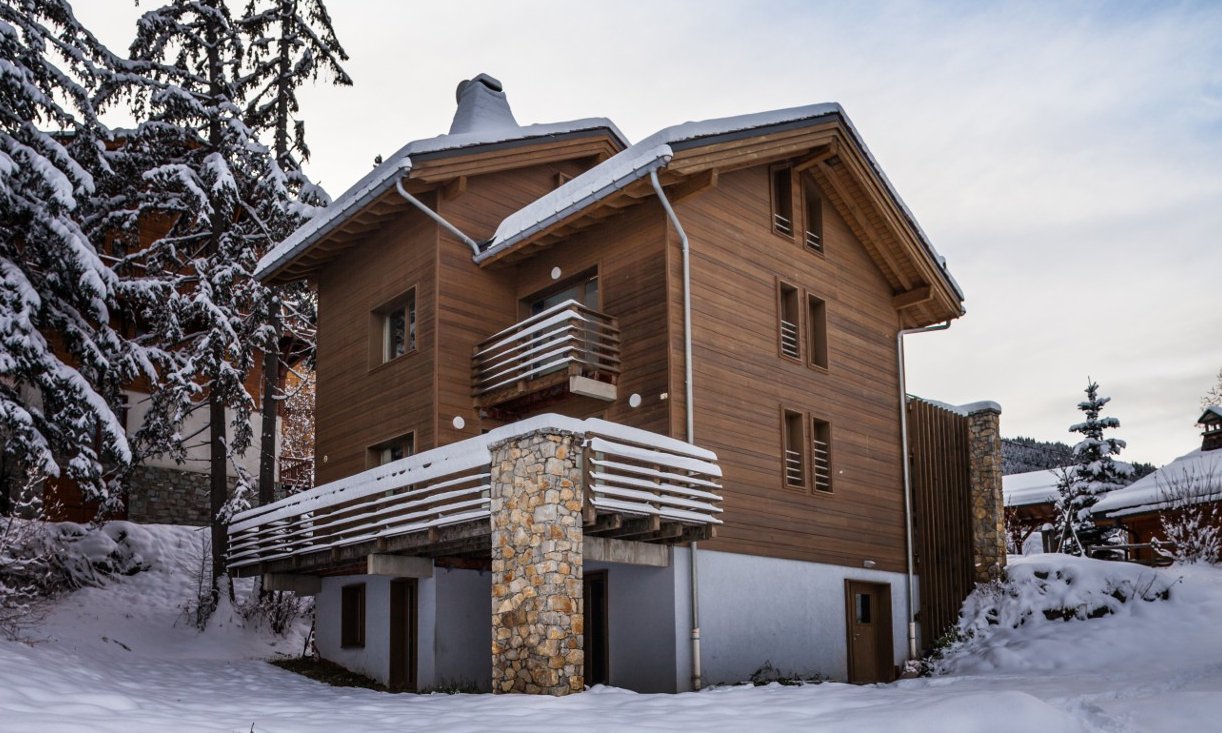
x=911 y=585
x=436 y=217
x=687 y=402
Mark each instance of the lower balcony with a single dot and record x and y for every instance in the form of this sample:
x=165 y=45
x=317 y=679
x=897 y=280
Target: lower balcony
x=593 y=477
x=566 y=349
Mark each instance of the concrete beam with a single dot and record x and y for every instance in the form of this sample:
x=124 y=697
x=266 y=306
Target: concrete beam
x=592 y=388
x=302 y=585
x=400 y=566
x=626 y=552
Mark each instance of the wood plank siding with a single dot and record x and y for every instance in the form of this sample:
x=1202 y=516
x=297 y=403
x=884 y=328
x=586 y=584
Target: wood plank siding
x=941 y=493
x=742 y=383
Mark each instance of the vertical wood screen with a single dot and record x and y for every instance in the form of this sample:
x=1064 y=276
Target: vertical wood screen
x=941 y=493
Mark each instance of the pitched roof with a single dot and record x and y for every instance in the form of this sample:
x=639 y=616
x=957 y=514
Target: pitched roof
x=1033 y=487
x=1212 y=414
x=1199 y=473
x=654 y=152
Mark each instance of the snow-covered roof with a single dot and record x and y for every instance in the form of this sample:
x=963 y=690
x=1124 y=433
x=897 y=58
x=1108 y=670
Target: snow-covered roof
x=1213 y=413
x=655 y=151
x=1199 y=473
x=969 y=408
x=1033 y=487
x=482 y=118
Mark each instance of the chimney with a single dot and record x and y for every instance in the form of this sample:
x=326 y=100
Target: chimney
x=482 y=107
x=1211 y=437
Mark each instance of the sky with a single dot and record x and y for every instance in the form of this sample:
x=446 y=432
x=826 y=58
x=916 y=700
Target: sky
x=1066 y=158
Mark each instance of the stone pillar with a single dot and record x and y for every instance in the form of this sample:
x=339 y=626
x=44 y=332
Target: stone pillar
x=537 y=615
x=988 y=506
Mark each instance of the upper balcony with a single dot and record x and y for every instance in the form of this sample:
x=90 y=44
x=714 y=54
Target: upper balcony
x=634 y=485
x=566 y=349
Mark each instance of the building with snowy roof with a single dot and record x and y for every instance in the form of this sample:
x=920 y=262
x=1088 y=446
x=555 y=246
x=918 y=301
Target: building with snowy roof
x=648 y=398
x=1193 y=478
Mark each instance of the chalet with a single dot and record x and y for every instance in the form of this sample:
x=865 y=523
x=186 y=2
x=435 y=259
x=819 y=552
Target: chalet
x=643 y=402
x=1193 y=478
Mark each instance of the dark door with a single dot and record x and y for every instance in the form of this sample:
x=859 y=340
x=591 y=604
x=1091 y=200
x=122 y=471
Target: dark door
x=868 y=617
x=594 y=642
x=403 y=634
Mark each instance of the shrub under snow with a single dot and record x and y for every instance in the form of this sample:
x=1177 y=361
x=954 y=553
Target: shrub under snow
x=1044 y=590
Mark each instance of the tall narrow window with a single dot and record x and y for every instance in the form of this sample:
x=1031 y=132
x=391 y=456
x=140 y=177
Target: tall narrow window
x=816 y=327
x=788 y=321
x=352 y=615
x=782 y=201
x=392 y=450
x=812 y=210
x=821 y=454
x=395 y=328
x=792 y=447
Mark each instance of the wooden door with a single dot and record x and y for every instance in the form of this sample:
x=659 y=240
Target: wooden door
x=403 y=634
x=868 y=618
x=594 y=586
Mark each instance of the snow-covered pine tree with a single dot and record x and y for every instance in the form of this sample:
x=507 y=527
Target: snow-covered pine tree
x=208 y=182
x=1093 y=474
x=291 y=42
x=61 y=361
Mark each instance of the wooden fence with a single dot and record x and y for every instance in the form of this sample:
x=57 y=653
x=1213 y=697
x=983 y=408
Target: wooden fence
x=941 y=494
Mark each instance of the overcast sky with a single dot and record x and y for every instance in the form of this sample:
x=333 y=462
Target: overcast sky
x=1066 y=158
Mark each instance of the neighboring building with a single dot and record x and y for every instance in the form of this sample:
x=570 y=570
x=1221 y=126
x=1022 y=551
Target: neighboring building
x=502 y=411
x=1193 y=478
x=1030 y=505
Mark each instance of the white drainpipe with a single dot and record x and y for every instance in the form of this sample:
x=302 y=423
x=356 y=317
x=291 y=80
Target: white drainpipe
x=687 y=401
x=912 y=600
x=436 y=217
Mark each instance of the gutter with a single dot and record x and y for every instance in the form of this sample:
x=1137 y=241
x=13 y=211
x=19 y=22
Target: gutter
x=436 y=217
x=687 y=403
x=911 y=574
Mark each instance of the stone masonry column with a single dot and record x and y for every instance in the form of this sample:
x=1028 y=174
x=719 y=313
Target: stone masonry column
x=988 y=507
x=537 y=615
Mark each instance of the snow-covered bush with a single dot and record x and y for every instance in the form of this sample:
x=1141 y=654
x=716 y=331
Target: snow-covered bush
x=277 y=610
x=39 y=560
x=1041 y=589
x=1190 y=519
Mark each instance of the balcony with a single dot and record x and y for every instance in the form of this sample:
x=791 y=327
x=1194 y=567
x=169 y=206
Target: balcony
x=636 y=485
x=566 y=349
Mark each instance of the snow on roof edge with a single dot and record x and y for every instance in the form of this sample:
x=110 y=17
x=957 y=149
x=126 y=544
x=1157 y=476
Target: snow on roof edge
x=563 y=201
x=1146 y=493
x=382 y=177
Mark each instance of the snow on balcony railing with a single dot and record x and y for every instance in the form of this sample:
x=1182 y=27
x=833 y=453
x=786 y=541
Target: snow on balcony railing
x=629 y=471
x=566 y=334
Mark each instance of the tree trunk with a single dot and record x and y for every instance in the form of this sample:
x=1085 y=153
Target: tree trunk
x=219 y=485
x=267 y=443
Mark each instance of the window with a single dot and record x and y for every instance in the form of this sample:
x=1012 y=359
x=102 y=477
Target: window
x=793 y=449
x=583 y=289
x=352 y=616
x=788 y=321
x=391 y=450
x=816 y=327
x=821 y=453
x=782 y=201
x=394 y=329
x=812 y=210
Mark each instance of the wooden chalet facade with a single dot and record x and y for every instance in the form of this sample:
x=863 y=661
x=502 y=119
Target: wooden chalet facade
x=504 y=276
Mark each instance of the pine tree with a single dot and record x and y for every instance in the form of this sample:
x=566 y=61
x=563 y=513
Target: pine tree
x=208 y=182
x=293 y=42
x=61 y=361
x=1093 y=474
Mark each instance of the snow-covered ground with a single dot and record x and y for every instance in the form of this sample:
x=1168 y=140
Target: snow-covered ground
x=120 y=658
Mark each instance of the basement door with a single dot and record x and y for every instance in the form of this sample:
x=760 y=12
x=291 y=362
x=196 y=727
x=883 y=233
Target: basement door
x=868 y=618
x=594 y=642
x=403 y=634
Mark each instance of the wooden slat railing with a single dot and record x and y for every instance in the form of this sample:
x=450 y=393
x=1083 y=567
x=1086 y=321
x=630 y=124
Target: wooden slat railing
x=567 y=334
x=629 y=471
